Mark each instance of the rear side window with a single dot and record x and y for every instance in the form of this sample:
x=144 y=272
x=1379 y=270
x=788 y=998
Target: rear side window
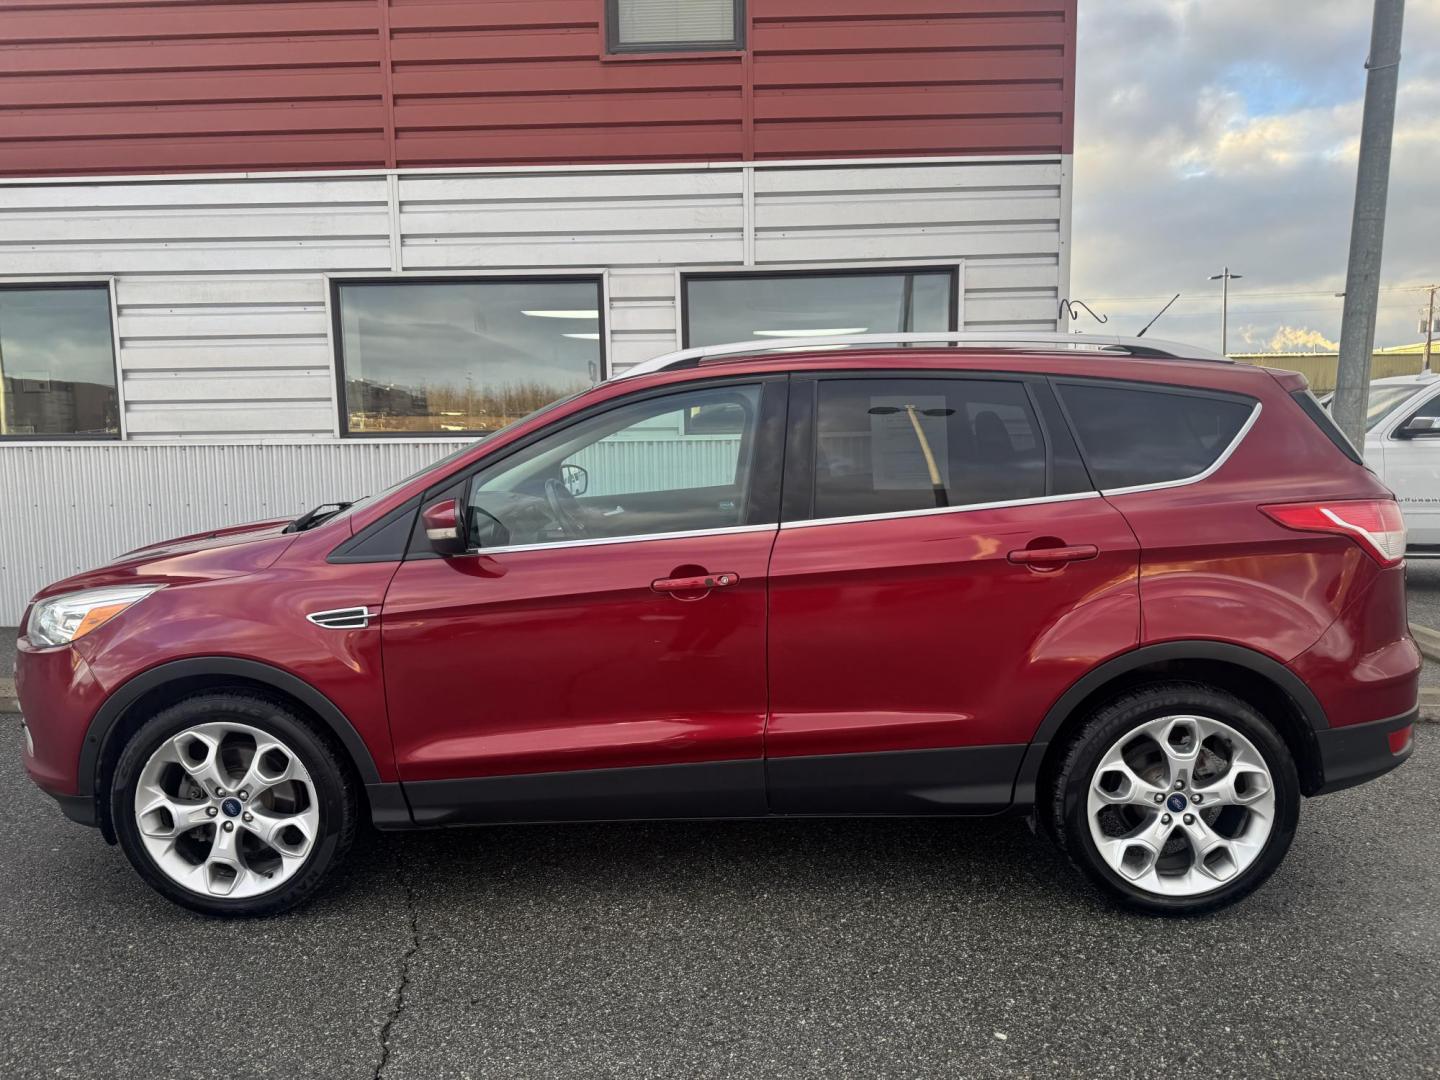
x=891 y=445
x=1133 y=437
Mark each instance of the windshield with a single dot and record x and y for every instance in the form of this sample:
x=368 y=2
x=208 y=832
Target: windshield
x=1384 y=400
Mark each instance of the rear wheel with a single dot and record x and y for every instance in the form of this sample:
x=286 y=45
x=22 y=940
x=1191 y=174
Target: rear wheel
x=1176 y=798
x=232 y=805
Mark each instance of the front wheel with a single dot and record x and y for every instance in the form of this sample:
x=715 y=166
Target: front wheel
x=1176 y=798
x=232 y=805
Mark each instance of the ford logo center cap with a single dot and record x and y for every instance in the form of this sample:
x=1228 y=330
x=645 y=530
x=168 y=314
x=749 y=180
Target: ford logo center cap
x=1176 y=803
x=231 y=807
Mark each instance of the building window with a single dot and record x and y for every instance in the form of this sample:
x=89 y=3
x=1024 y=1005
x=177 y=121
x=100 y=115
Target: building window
x=57 y=359
x=670 y=25
x=462 y=357
x=721 y=308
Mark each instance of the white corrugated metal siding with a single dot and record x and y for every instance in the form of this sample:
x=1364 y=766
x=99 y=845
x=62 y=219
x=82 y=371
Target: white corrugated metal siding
x=72 y=507
x=223 y=319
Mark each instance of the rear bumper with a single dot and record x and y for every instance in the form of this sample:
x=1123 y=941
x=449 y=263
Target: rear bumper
x=1356 y=753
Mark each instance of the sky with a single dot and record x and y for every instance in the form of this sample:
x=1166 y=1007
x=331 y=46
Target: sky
x=1225 y=132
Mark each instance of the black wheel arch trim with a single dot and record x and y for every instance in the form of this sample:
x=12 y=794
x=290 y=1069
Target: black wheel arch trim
x=104 y=723
x=1218 y=651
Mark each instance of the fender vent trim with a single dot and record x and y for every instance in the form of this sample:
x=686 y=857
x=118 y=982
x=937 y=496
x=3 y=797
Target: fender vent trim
x=350 y=618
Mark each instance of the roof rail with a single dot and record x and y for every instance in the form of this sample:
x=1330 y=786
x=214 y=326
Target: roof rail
x=1026 y=340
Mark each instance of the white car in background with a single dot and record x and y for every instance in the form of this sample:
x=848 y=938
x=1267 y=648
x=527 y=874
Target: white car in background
x=1402 y=445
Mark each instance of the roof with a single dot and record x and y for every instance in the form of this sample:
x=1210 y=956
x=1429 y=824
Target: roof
x=1041 y=342
x=1421 y=379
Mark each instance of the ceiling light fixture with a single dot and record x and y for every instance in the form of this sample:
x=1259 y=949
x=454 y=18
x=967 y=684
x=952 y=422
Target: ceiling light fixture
x=576 y=313
x=583 y=337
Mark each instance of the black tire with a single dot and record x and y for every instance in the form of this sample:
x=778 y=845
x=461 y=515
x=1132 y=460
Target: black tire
x=334 y=784
x=1064 y=814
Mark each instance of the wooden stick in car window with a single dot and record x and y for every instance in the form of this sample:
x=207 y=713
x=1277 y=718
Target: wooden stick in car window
x=937 y=483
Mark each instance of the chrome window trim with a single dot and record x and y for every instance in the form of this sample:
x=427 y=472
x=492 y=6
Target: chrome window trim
x=810 y=523
x=600 y=541
x=1038 y=500
x=1186 y=481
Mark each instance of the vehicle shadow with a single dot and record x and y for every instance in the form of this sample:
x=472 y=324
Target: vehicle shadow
x=958 y=860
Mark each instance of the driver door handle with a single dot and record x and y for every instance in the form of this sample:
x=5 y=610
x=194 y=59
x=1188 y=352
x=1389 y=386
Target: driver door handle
x=698 y=583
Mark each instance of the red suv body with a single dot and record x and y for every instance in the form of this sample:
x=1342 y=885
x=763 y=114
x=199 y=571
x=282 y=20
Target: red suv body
x=886 y=581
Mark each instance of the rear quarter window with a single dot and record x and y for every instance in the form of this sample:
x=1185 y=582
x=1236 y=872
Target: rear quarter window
x=1132 y=437
x=1317 y=412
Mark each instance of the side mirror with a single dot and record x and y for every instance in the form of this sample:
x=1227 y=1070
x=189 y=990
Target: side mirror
x=576 y=479
x=442 y=527
x=1419 y=427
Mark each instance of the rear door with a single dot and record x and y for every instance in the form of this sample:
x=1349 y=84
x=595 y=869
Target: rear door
x=944 y=571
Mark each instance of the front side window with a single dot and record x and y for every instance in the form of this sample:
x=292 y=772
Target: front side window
x=666 y=25
x=678 y=463
x=57 y=362
x=741 y=307
x=463 y=357
x=1428 y=411
x=1133 y=437
x=887 y=446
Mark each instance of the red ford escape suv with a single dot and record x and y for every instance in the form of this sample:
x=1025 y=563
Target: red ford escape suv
x=1149 y=599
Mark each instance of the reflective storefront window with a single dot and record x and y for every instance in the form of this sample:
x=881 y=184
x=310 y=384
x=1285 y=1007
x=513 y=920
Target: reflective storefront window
x=462 y=357
x=57 y=359
x=742 y=307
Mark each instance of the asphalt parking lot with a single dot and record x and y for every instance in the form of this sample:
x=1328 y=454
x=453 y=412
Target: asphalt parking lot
x=859 y=948
x=1423 y=577
x=845 y=949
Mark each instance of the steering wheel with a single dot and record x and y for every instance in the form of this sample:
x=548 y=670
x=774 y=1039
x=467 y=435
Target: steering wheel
x=565 y=509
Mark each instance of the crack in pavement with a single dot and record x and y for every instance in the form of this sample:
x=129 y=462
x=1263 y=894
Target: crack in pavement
x=411 y=949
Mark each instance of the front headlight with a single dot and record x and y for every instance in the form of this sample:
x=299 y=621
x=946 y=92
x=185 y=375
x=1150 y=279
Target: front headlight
x=61 y=619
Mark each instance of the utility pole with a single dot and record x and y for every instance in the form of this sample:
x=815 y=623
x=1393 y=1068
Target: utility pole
x=1367 y=229
x=1429 y=330
x=1225 y=277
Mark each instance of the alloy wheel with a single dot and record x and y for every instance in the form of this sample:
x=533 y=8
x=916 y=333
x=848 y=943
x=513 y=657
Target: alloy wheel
x=226 y=810
x=1181 y=805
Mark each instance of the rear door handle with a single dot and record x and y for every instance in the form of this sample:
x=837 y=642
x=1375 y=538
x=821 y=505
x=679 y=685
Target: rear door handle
x=699 y=583
x=1054 y=556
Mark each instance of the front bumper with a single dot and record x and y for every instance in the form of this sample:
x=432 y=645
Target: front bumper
x=79 y=808
x=1359 y=752
x=58 y=697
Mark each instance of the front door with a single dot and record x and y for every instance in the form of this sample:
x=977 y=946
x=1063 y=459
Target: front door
x=944 y=572
x=600 y=653
x=1411 y=467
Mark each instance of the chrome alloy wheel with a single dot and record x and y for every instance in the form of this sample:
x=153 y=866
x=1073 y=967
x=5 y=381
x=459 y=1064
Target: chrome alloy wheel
x=226 y=810
x=1181 y=805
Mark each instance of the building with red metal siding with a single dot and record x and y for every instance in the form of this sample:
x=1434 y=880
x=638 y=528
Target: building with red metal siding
x=208 y=186
x=188 y=85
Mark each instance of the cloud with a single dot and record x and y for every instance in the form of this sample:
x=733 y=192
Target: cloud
x=1225 y=133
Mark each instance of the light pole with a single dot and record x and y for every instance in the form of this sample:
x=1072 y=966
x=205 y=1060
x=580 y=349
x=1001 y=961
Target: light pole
x=1225 y=277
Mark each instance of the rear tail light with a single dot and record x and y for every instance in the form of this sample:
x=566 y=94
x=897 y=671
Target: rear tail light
x=1375 y=524
x=1400 y=740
